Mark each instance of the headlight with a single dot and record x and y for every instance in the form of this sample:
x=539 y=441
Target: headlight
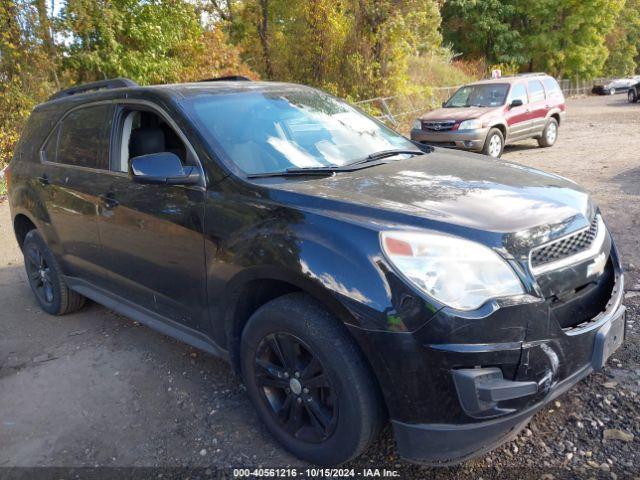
x=417 y=125
x=470 y=125
x=456 y=272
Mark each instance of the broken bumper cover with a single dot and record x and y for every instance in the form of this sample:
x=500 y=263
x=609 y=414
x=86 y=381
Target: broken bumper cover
x=481 y=391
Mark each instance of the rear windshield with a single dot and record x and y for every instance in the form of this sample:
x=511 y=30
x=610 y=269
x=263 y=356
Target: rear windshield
x=263 y=132
x=484 y=95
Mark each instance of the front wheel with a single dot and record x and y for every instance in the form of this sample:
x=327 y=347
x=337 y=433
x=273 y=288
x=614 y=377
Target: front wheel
x=632 y=96
x=309 y=381
x=494 y=144
x=612 y=91
x=549 y=134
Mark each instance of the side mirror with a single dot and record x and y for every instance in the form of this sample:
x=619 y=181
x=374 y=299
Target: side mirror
x=443 y=104
x=163 y=168
x=517 y=102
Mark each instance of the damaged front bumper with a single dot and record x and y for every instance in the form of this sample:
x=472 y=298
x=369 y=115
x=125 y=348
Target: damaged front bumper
x=460 y=386
x=483 y=392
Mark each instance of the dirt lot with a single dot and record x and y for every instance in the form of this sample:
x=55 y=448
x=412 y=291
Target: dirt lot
x=95 y=389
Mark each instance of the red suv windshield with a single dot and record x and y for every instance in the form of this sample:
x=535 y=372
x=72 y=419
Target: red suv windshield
x=484 y=95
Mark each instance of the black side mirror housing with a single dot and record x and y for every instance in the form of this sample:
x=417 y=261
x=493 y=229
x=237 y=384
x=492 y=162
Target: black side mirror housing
x=163 y=168
x=443 y=104
x=517 y=102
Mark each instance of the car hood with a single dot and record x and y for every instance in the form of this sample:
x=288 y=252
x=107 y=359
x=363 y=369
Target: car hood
x=457 y=188
x=458 y=114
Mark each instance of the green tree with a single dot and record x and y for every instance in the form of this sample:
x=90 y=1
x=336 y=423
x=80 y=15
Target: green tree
x=484 y=28
x=623 y=42
x=564 y=38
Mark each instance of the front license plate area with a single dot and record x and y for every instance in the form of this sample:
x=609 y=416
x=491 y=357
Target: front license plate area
x=608 y=340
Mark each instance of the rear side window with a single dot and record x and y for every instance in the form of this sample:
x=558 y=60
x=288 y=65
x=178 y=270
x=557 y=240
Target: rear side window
x=82 y=139
x=551 y=86
x=536 y=92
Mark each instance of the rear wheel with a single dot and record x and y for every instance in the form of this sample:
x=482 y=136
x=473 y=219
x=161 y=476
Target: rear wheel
x=632 y=96
x=309 y=381
x=549 y=134
x=494 y=144
x=45 y=278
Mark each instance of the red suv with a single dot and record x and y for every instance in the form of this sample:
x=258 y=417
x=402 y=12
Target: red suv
x=487 y=115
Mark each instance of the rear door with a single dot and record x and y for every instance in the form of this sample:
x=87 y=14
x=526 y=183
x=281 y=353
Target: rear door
x=537 y=106
x=74 y=163
x=518 y=118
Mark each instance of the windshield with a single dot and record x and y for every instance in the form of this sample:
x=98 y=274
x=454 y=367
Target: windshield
x=271 y=131
x=485 y=95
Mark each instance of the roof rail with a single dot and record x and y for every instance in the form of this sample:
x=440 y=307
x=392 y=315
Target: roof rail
x=227 y=78
x=88 y=87
x=531 y=74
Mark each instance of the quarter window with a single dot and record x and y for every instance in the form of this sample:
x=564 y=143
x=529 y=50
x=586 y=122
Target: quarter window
x=536 y=92
x=82 y=139
x=551 y=86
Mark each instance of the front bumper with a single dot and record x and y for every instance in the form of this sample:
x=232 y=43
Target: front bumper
x=436 y=421
x=442 y=444
x=464 y=139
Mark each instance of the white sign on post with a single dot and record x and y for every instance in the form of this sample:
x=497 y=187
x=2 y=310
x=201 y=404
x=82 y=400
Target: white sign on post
x=496 y=73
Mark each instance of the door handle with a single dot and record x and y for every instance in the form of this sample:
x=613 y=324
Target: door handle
x=527 y=111
x=44 y=180
x=108 y=201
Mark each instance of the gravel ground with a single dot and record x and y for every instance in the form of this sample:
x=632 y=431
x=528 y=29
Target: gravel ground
x=95 y=389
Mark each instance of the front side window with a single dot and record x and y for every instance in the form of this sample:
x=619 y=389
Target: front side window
x=82 y=139
x=536 y=92
x=143 y=132
x=483 y=95
x=519 y=92
x=270 y=131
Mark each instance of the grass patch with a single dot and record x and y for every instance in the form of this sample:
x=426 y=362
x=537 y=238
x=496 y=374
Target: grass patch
x=3 y=188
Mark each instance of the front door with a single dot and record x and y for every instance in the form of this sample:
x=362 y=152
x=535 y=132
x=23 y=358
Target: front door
x=518 y=118
x=152 y=235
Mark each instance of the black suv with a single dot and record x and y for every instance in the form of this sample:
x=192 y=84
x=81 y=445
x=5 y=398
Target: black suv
x=348 y=274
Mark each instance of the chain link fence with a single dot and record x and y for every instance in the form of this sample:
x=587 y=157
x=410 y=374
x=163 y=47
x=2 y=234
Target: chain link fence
x=400 y=110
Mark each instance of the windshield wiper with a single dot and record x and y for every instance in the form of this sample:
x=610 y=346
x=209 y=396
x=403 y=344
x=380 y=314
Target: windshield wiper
x=296 y=172
x=385 y=154
x=370 y=161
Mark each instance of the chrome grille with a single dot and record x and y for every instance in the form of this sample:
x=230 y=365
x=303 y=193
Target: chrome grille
x=438 y=126
x=566 y=246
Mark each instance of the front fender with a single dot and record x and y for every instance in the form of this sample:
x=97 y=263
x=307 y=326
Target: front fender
x=336 y=261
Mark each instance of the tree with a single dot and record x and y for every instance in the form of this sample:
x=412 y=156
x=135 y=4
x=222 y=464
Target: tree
x=564 y=38
x=25 y=69
x=623 y=42
x=156 y=41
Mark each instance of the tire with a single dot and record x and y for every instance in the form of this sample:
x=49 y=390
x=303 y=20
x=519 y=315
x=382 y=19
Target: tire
x=632 y=96
x=341 y=387
x=45 y=279
x=549 y=134
x=612 y=91
x=491 y=146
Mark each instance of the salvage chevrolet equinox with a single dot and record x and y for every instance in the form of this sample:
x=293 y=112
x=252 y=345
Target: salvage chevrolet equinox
x=349 y=275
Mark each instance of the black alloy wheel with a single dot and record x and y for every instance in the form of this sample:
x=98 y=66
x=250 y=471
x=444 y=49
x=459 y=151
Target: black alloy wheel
x=309 y=381
x=45 y=277
x=39 y=274
x=296 y=388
